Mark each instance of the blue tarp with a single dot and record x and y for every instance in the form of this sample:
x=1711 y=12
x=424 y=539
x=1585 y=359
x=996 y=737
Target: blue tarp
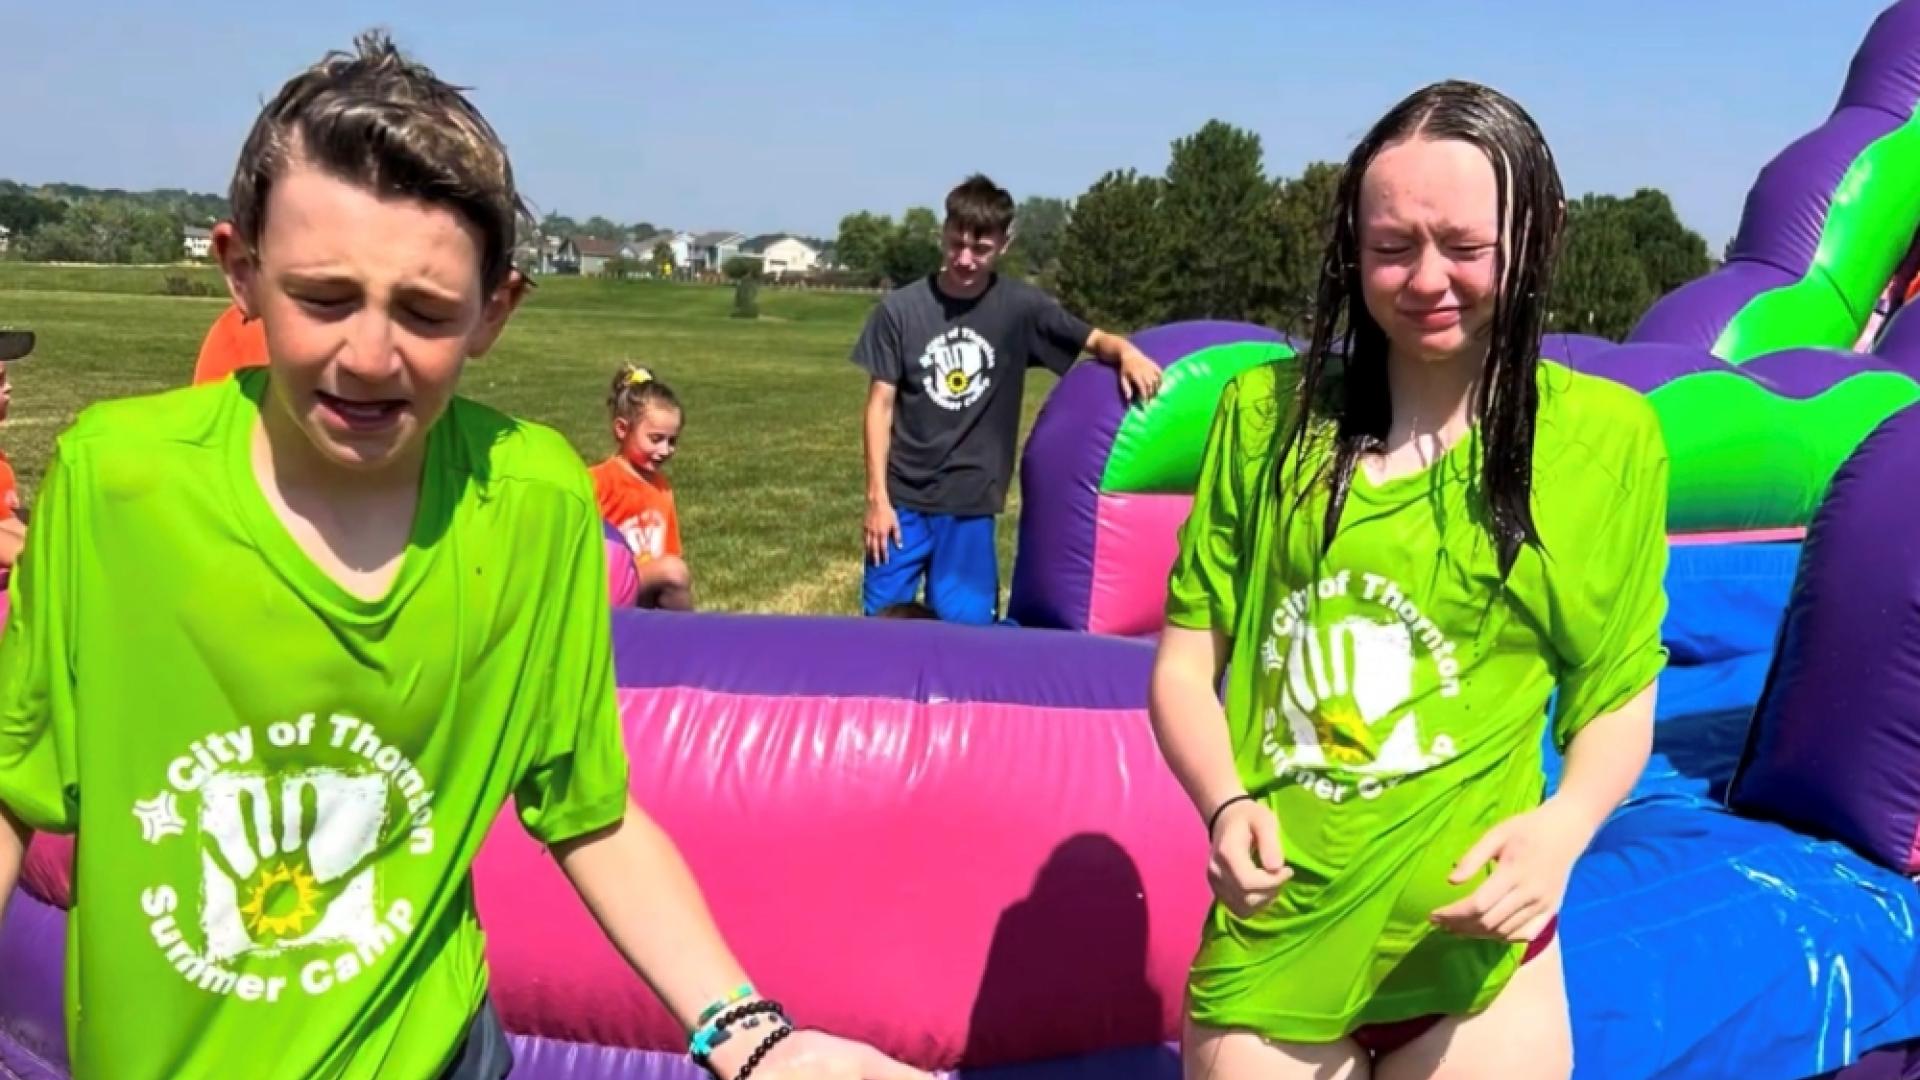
x=1700 y=944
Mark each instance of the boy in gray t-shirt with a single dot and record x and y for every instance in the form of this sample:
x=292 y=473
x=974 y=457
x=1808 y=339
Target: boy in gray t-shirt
x=948 y=355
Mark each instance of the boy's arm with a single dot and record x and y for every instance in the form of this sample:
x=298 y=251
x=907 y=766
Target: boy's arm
x=1139 y=376
x=640 y=890
x=882 y=524
x=633 y=879
x=14 y=835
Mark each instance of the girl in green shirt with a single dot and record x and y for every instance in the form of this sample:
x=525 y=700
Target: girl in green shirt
x=1400 y=559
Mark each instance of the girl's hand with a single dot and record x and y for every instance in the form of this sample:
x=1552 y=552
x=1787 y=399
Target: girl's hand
x=1533 y=855
x=815 y=1055
x=1241 y=882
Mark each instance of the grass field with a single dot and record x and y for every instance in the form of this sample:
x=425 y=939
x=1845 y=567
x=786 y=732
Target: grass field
x=768 y=478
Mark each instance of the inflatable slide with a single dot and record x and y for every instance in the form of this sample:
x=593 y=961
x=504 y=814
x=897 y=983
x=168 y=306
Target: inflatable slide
x=962 y=844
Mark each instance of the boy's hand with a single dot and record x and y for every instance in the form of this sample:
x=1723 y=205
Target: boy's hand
x=882 y=526
x=1533 y=855
x=1139 y=376
x=815 y=1055
x=1241 y=883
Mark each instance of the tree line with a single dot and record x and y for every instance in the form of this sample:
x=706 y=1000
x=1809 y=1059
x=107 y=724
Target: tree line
x=72 y=223
x=1216 y=237
x=1212 y=237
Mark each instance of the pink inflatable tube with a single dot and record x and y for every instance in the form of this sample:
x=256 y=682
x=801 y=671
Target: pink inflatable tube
x=936 y=838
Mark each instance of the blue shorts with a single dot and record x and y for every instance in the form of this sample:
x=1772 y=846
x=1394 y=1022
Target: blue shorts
x=956 y=558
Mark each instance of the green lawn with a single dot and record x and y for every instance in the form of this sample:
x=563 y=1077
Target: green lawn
x=768 y=478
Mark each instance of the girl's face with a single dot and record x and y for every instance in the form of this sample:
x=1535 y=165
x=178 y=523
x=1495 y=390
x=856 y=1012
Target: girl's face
x=1429 y=236
x=649 y=441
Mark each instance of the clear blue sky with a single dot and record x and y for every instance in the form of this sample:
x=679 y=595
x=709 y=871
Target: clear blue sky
x=784 y=116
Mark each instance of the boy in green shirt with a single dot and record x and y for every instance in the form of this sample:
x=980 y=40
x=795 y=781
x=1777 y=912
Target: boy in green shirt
x=371 y=612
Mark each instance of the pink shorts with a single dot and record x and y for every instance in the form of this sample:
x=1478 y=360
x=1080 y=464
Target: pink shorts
x=1382 y=1039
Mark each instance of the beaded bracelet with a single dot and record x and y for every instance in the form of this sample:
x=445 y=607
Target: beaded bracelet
x=718 y=1031
x=740 y=993
x=753 y=1060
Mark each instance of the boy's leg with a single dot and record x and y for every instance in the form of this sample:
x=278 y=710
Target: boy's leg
x=897 y=581
x=963 y=582
x=1526 y=1034
x=485 y=1053
x=1211 y=1054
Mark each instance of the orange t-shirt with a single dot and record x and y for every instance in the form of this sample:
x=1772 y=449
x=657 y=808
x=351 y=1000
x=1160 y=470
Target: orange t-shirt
x=231 y=344
x=9 y=489
x=640 y=507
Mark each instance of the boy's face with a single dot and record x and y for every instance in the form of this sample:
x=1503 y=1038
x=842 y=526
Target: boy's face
x=371 y=307
x=968 y=257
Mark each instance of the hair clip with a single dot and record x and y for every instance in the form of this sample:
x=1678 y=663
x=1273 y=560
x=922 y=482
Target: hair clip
x=639 y=376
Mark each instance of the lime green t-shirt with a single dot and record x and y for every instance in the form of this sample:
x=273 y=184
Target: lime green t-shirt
x=1386 y=695
x=279 y=787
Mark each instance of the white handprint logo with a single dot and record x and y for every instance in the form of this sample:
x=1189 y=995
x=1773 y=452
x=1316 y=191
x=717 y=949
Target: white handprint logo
x=1339 y=689
x=278 y=852
x=958 y=361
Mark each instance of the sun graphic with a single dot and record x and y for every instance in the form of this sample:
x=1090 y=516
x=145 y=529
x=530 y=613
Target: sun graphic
x=281 y=903
x=957 y=381
x=1344 y=735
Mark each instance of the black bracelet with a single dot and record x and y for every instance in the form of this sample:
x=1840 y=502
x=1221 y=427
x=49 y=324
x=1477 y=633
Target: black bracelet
x=722 y=1025
x=1215 y=819
x=753 y=1061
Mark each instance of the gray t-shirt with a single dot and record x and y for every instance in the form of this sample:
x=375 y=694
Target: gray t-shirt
x=960 y=367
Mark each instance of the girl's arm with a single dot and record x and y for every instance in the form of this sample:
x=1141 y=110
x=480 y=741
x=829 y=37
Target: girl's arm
x=1246 y=867
x=1188 y=721
x=1604 y=760
x=1534 y=853
x=634 y=881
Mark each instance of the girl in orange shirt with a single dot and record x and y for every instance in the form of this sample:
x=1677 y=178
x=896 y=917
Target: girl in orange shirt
x=634 y=495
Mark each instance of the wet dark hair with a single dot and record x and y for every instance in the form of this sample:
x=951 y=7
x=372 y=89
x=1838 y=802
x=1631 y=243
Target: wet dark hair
x=634 y=388
x=376 y=118
x=980 y=207
x=1342 y=393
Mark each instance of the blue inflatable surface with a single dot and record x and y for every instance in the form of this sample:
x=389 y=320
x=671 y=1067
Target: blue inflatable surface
x=1769 y=954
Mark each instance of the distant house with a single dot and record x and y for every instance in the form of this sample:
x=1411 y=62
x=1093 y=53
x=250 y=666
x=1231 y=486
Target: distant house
x=541 y=255
x=196 y=241
x=680 y=243
x=711 y=250
x=594 y=253
x=6 y=238
x=564 y=258
x=782 y=253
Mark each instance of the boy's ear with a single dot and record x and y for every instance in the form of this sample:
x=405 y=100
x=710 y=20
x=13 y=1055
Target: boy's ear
x=240 y=267
x=500 y=307
x=620 y=428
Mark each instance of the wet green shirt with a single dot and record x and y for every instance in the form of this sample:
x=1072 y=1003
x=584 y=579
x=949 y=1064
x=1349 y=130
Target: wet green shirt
x=278 y=786
x=1386 y=696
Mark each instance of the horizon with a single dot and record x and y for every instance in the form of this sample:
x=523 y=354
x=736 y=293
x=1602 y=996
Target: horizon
x=820 y=114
